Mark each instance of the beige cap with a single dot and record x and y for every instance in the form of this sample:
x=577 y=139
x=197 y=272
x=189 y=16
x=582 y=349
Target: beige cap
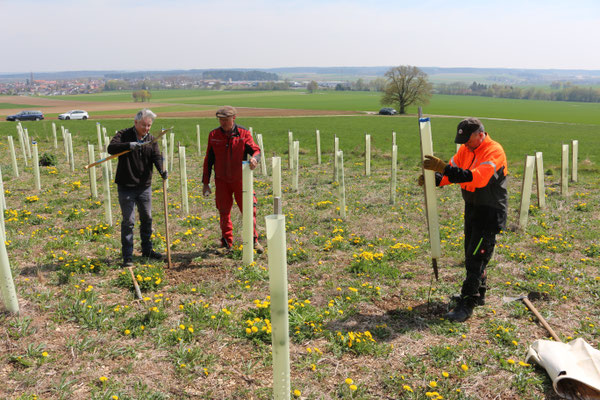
x=226 y=111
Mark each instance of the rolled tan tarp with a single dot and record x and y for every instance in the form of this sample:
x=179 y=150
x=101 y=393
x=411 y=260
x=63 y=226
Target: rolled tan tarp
x=574 y=367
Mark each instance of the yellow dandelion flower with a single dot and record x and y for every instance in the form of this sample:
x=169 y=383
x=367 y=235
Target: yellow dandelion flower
x=349 y=381
x=297 y=393
x=464 y=367
x=524 y=364
x=353 y=387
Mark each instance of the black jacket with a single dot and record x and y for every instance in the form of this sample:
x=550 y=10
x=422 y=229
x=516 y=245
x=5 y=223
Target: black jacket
x=135 y=168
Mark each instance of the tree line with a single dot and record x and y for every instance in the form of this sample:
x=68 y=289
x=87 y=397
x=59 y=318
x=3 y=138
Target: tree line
x=559 y=92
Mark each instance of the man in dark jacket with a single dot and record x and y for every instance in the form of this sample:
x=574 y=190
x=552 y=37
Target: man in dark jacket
x=228 y=146
x=134 y=180
x=480 y=168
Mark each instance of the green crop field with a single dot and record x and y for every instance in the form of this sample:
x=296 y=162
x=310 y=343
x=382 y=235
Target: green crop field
x=535 y=110
x=202 y=329
x=518 y=138
x=10 y=105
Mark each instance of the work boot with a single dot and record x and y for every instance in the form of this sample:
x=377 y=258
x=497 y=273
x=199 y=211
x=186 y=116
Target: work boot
x=153 y=254
x=225 y=244
x=127 y=262
x=462 y=311
x=259 y=249
x=479 y=300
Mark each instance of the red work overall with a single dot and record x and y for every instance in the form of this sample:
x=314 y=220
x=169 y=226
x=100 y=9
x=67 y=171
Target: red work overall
x=226 y=152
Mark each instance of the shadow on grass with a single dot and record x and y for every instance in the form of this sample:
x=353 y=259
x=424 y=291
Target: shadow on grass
x=395 y=322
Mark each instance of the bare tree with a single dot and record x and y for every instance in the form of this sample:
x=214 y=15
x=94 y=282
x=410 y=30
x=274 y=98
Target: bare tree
x=406 y=85
x=312 y=86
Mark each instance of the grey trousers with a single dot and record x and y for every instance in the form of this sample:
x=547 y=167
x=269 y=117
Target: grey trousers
x=129 y=198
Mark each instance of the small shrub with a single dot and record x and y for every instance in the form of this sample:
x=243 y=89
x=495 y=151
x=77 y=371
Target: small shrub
x=48 y=160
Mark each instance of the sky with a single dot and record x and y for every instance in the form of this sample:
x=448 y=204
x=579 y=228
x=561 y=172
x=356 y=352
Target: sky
x=131 y=35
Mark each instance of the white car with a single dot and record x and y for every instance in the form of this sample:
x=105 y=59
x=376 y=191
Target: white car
x=74 y=114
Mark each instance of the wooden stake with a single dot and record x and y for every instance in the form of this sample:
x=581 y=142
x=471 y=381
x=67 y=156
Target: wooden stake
x=277 y=205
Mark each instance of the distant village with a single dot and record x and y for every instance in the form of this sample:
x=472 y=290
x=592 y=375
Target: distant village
x=40 y=87
x=31 y=86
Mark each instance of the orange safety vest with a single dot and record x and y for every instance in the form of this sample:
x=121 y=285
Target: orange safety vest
x=488 y=165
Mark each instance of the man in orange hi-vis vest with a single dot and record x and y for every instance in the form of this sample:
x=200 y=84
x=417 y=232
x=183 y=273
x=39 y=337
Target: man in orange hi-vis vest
x=480 y=168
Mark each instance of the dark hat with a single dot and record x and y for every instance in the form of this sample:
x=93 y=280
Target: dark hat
x=225 y=112
x=465 y=128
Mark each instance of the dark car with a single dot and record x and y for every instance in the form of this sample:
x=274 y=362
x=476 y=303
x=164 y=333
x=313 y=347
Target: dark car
x=387 y=111
x=26 y=116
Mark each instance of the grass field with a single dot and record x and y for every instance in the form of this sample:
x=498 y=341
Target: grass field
x=81 y=335
x=519 y=138
x=581 y=113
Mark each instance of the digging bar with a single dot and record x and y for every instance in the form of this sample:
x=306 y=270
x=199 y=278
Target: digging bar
x=525 y=299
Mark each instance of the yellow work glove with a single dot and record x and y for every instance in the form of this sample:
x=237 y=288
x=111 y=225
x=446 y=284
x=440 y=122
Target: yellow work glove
x=435 y=164
x=421 y=180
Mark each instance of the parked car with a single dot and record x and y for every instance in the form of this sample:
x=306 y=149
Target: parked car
x=387 y=111
x=26 y=116
x=74 y=114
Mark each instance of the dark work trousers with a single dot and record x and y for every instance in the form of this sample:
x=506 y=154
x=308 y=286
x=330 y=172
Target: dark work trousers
x=481 y=227
x=224 y=194
x=129 y=198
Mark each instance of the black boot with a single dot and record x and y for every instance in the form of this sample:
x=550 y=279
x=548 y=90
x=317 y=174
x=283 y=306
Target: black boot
x=463 y=310
x=479 y=300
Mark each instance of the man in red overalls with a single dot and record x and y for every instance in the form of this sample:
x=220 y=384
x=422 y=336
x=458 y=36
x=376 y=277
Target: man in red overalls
x=228 y=146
